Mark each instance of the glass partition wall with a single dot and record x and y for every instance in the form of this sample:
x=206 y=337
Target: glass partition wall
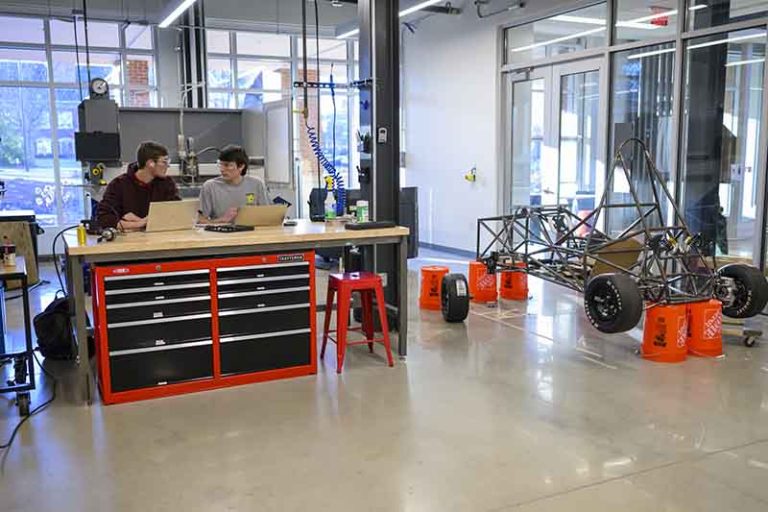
x=685 y=77
x=722 y=120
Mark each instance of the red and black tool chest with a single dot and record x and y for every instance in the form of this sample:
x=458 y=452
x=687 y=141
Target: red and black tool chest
x=171 y=327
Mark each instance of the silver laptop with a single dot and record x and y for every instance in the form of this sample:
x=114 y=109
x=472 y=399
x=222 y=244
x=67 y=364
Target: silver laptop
x=172 y=215
x=267 y=215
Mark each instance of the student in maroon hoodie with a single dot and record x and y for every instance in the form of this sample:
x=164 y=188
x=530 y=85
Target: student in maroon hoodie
x=126 y=200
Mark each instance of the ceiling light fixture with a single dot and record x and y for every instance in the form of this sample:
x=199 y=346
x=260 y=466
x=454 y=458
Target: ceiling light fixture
x=183 y=6
x=729 y=40
x=634 y=23
x=348 y=34
x=650 y=54
x=418 y=7
x=744 y=63
x=558 y=40
x=401 y=14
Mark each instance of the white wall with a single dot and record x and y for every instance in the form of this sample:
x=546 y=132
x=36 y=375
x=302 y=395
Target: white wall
x=451 y=96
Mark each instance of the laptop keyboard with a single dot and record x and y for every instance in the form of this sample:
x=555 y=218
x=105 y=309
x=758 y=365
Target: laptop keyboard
x=227 y=228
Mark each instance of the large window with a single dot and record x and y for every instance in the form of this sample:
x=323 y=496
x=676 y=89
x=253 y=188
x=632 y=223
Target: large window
x=577 y=30
x=251 y=70
x=41 y=86
x=642 y=20
x=642 y=107
x=703 y=124
x=721 y=144
x=712 y=13
x=247 y=69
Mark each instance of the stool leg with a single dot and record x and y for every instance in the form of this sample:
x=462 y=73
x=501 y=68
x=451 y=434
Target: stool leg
x=328 y=313
x=342 y=318
x=384 y=327
x=367 y=302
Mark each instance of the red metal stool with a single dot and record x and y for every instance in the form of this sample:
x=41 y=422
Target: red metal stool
x=367 y=284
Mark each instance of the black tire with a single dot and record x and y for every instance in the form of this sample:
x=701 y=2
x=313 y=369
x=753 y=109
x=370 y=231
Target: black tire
x=454 y=298
x=613 y=303
x=751 y=290
x=23 y=401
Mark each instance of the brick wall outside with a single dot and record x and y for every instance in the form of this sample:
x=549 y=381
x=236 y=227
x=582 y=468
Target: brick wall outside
x=137 y=74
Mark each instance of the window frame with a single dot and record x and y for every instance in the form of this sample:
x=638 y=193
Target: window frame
x=294 y=62
x=53 y=86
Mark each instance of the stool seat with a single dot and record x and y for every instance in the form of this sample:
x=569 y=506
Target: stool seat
x=355 y=280
x=368 y=285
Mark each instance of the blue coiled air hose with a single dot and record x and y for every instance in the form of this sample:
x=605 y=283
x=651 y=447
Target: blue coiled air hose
x=330 y=168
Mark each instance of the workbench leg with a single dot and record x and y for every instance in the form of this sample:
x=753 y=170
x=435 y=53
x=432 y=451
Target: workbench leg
x=402 y=307
x=28 y=330
x=78 y=311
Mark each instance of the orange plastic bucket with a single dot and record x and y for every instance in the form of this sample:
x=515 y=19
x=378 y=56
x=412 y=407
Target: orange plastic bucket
x=514 y=285
x=482 y=285
x=665 y=333
x=431 y=283
x=705 y=328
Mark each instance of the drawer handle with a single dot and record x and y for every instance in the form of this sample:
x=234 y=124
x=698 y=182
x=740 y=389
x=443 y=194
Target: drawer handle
x=180 y=346
x=159 y=343
x=261 y=288
x=158 y=283
x=260 y=305
x=186 y=318
x=259 y=275
x=160 y=297
x=157 y=314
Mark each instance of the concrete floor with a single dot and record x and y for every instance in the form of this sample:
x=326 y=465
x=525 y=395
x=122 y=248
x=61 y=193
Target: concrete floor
x=525 y=407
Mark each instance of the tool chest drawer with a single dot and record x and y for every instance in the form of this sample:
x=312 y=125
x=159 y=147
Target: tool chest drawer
x=261 y=284
x=159 y=332
x=265 y=352
x=152 y=310
x=264 y=320
x=158 y=366
x=229 y=301
x=179 y=291
x=155 y=280
x=300 y=268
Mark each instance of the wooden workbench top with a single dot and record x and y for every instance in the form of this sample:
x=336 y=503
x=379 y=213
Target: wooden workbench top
x=304 y=231
x=16 y=271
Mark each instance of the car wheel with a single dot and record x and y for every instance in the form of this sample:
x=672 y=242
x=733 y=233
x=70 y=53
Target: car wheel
x=751 y=291
x=613 y=303
x=454 y=298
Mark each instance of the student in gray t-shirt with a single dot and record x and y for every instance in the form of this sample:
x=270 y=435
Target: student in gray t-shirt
x=221 y=197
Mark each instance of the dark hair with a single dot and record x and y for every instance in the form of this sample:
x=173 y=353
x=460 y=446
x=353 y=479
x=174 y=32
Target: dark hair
x=149 y=151
x=235 y=154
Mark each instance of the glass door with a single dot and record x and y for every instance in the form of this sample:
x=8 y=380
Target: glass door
x=529 y=151
x=578 y=127
x=557 y=136
x=722 y=158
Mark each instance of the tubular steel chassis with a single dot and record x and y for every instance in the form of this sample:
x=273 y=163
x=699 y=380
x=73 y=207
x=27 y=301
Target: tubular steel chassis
x=557 y=245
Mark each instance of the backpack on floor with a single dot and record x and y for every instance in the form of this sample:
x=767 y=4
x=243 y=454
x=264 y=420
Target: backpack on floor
x=53 y=328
